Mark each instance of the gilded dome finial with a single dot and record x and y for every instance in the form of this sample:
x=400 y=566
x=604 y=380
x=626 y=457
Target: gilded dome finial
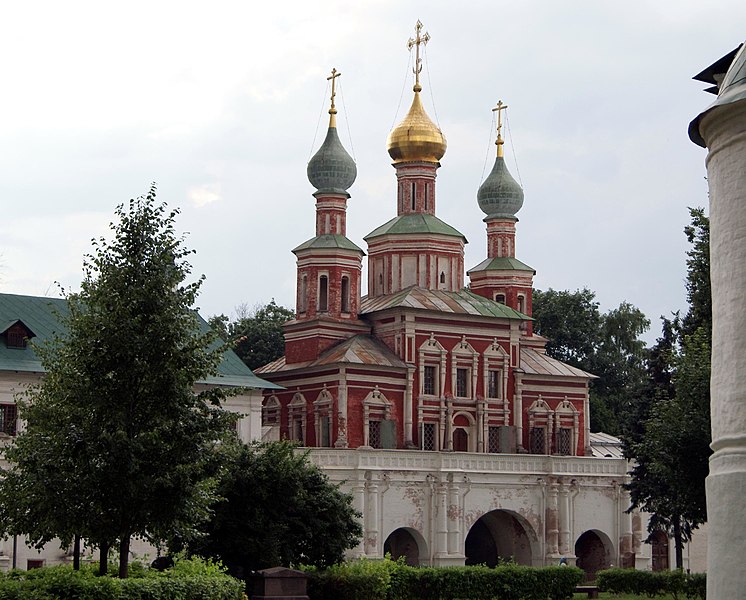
x=417 y=41
x=499 y=141
x=416 y=138
x=333 y=110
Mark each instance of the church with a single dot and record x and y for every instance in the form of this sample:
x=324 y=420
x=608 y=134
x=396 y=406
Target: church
x=431 y=399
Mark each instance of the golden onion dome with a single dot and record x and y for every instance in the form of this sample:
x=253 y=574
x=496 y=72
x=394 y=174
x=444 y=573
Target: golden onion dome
x=416 y=138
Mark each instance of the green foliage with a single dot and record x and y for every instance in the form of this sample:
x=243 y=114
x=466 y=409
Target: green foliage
x=117 y=443
x=366 y=580
x=201 y=583
x=607 y=345
x=676 y=583
x=669 y=435
x=256 y=335
x=276 y=509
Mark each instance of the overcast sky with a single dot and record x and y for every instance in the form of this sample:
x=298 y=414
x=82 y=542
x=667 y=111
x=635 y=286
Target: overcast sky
x=223 y=103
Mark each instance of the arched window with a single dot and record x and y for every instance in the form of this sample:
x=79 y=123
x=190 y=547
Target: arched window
x=521 y=303
x=323 y=293
x=414 y=196
x=442 y=277
x=500 y=298
x=345 y=294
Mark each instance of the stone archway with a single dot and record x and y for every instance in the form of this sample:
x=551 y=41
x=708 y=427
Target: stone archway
x=408 y=543
x=500 y=535
x=593 y=550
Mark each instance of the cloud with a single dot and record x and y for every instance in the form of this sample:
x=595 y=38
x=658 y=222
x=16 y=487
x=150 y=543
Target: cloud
x=204 y=194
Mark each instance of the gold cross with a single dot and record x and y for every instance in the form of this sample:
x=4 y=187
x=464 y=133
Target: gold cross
x=333 y=78
x=499 y=109
x=416 y=41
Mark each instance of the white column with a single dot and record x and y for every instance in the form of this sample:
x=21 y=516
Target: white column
x=371 y=514
x=441 y=538
x=358 y=502
x=408 y=437
x=564 y=519
x=453 y=513
x=341 y=441
x=552 y=524
x=724 y=130
x=518 y=411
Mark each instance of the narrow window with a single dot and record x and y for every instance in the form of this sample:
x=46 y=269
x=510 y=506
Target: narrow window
x=303 y=300
x=8 y=419
x=500 y=298
x=414 y=197
x=297 y=433
x=345 y=294
x=442 y=277
x=536 y=443
x=325 y=423
x=462 y=383
x=374 y=434
x=427 y=189
x=493 y=439
x=493 y=384
x=323 y=293
x=564 y=441
x=520 y=303
x=428 y=436
x=428 y=385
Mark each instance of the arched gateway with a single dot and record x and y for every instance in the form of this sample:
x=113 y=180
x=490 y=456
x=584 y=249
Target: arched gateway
x=501 y=535
x=594 y=551
x=408 y=543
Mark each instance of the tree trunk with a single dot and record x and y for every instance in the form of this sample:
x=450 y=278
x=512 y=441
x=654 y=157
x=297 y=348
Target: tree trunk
x=679 y=543
x=103 y=558
x=124 y=551
x=76 y=553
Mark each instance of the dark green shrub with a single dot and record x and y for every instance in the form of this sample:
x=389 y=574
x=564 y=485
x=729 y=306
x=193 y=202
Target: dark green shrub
x=652 y=584
x=368 y=580
x=62 y=583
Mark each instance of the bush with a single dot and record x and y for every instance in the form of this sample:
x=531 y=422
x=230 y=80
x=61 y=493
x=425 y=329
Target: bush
x=652 y=584
x=368 y=580
x=192 y=580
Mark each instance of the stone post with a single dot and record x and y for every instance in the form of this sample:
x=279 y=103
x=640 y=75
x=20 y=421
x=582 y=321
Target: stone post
x=722 y=128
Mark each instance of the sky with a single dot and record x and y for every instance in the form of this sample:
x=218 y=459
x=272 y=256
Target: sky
x=222 y=104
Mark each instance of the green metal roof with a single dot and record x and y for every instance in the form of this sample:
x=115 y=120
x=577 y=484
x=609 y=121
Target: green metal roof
x=329 y=241
x=41 y=316
x=415 y=223
x=502 y=263
x=464 y=302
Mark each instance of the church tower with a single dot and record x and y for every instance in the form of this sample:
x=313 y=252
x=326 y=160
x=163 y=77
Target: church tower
x=329 y=265
x=415 y=248
x=502 y=277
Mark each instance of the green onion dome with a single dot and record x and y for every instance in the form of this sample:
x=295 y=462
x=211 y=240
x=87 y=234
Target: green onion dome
x=332 y=170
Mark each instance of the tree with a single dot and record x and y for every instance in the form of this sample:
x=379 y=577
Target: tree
x=256 y=335
x=670 y=445
x=607 y=345
x=276 y=509
x=115 y=428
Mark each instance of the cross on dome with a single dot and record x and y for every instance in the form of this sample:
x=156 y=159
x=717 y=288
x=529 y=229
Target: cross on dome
x=417 y=41
x=499 y=142
x=333 y=110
